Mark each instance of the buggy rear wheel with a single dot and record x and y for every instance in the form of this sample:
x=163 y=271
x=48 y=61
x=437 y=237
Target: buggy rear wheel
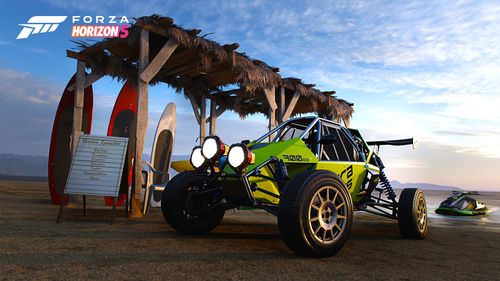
x=315 y=216
x=412 y=214
x=191 y=204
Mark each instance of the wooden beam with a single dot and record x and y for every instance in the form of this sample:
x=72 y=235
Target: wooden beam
x=281 y=105
x=195 y=106
x=213 y=117
x=154 y=28
x=141 y=123
x=89 y=80
x=76 y=55
x=203 y=116
x=271 y=99
x=291 y=106
x=218 y=112
x=159 y=60
x=180 y=56
x=183 y=67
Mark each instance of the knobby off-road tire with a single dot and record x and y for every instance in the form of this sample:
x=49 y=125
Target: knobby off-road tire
x=412 y=214
x=179 y=206
x=315 y=214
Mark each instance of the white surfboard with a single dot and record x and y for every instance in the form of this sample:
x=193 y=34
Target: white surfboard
x=161 y=152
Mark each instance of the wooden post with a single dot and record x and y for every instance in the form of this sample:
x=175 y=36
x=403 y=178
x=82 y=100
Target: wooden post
x=203 y=118
x=78 y=106
x=195 y=106
x=271 y=99
x=281 y=105
x=141 y=123
x=77 y=112
x=218 y=112
x=213 y=116
x=147 y=71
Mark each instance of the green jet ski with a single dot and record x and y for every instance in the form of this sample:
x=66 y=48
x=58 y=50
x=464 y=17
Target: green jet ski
x=461 y=204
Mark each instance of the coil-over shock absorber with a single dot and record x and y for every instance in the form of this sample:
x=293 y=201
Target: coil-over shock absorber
x=386 y=186
x=384 y=182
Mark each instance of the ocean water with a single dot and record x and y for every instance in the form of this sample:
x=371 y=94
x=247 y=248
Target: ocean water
x=490 y=221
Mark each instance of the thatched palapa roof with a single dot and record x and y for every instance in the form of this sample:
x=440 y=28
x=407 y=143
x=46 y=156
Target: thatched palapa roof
x=310 y=100
x=200 y=66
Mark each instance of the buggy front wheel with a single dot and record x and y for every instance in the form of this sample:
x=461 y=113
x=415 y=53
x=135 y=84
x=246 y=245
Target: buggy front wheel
x=191 y=203
x=315 y=216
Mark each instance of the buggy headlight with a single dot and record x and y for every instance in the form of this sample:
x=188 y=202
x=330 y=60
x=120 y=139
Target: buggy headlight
x=240 y=156
x=198 y=161
x=213 y=148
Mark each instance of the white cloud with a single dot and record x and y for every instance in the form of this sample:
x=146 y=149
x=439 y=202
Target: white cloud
x=424 y=69
x=24 y=87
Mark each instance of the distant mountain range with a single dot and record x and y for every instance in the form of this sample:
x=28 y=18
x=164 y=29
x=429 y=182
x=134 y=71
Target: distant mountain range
x=424 y=186
x=35 y=167
x=22 y=165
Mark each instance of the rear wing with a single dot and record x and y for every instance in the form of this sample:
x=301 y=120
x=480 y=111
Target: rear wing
x=394 y=142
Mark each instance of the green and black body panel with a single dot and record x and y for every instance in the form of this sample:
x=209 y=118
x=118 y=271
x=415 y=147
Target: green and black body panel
x=261 y=183
x=320 y=144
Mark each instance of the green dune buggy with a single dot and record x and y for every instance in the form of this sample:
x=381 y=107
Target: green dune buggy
x=310 y=172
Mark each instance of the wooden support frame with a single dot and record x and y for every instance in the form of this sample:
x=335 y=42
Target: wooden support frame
x=213 y=117
x=218 y=112
x=281 y=105
x=140 y=125
x=77 y=114
x=195 y=106
x=203 y=118
x=147 y=70
x=78 y=106
x=200 y=113
x=160 y=59
x=291 y=106
x=271 y=99
x=89 y=80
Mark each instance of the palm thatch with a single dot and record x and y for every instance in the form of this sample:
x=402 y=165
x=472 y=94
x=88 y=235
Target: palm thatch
x=198 y=64
x=201 y=67
x=311 y=100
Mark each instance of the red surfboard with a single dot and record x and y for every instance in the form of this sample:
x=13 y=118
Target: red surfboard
x=120 y=125
x=60 y=142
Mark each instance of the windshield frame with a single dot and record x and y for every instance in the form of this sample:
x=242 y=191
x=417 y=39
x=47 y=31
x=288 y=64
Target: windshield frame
x=314 y=120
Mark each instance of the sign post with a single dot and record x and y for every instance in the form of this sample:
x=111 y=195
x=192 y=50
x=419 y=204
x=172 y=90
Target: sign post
x=96 y=169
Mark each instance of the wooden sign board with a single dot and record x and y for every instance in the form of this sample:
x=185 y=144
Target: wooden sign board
x=97 y=166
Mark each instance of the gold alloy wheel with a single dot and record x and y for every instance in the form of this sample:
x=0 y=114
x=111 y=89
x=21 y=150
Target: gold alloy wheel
x=421 y=214
x=327 y=215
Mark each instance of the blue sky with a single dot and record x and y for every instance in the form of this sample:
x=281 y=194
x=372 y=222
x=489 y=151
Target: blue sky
x=428 y=69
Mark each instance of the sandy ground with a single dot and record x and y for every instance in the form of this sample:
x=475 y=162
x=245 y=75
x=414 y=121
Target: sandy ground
x=246 y=246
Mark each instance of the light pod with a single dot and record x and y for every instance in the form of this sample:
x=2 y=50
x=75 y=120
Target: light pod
x=239 y=157
x=198 y=161
x=213 y=148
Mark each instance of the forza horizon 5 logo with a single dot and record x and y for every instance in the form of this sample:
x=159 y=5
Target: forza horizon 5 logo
x=83 y=26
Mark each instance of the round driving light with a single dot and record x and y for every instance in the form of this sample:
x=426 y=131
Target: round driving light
x=239 y=157
x=197 y=159
x=213 y=148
